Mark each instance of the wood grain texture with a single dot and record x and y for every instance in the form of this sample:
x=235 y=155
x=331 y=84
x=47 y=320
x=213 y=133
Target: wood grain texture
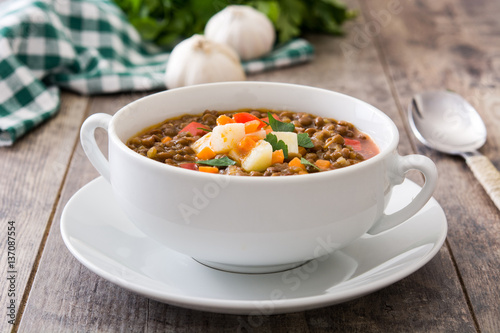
x=453 y=45
x=31 y=176
x=65 y=291
x=68 y=297
x=392 y=50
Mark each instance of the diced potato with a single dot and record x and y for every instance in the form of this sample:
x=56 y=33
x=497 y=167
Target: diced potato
x=290 y=139
x=259 y=158
x=226 y=137
x=235 y=155
x=202 y=142
x=238 y=153
x=259 y=134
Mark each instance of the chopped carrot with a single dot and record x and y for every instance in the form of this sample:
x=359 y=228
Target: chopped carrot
x=295 y=162
x=252 y=126
x=166 y=139
x=254 y=137
x=278 y=156
x=323 y=164
x=246 y=144
x=223 y=120
x=209 y=169
x=206 y=154
x=268 y=129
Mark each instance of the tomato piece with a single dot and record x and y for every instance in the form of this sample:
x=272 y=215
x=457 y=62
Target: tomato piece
x=355 y=144
x=275 y=116
x=190 y=166
x=194 y=129
x=244 y=117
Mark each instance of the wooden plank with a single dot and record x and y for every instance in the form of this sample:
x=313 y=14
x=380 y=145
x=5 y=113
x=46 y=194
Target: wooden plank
x=68 y=297
x=64 y=288
x=32 y=172
x=453 y=45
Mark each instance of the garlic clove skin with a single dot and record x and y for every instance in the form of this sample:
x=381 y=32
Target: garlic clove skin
x=197 y=60
x=249 y=32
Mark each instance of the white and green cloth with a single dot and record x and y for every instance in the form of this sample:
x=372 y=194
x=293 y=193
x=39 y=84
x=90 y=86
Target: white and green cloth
x=87 y=46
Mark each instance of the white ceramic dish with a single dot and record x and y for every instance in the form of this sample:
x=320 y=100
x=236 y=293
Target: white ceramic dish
x=101 y=237
x=280 y=220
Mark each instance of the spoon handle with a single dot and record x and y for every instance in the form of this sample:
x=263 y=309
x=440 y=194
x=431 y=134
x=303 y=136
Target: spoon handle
x=487 y=174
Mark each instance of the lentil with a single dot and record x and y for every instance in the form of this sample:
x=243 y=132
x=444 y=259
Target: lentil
x=165 y=143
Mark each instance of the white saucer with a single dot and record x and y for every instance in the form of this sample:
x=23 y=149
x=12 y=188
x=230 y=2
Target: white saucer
x=99 y=235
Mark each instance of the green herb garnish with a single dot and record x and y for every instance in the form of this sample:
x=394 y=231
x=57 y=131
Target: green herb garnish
x=306 y=162
x=204 y=129
x=277 y=145
x=224 y=161
x=279 y=126
x=304 y=140
x=166 y=22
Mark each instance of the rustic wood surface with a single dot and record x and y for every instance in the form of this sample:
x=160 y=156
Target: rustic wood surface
x=391 y=51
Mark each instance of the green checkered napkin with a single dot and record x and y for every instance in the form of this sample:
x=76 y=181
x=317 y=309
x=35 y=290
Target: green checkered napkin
x=87 y=46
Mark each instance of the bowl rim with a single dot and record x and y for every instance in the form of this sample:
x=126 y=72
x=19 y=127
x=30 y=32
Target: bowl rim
x=176 y=171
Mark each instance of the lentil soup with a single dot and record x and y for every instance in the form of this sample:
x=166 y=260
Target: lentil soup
x=251 y=143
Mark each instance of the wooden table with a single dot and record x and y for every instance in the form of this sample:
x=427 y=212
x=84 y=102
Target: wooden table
x=391 y=51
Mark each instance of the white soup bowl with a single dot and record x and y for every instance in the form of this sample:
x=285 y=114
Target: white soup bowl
x=255 y=224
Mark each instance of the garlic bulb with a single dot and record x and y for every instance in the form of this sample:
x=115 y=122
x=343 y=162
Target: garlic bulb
x=197 y=60
x=244 y=28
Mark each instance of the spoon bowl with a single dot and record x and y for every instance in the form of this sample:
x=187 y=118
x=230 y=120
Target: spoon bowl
x=446 y=122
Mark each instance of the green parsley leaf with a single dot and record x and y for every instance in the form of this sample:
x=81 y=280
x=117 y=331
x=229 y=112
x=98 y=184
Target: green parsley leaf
x=306 y=162
x=224 y=161
x=277 y=145
x=166 y=22
x=304 y=140
x=279 y=126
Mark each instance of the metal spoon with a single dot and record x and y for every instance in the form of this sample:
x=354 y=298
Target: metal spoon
x=446 y=122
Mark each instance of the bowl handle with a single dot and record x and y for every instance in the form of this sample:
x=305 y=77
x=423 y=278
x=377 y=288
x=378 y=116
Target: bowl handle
x=397 y=173
x=89 y=144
